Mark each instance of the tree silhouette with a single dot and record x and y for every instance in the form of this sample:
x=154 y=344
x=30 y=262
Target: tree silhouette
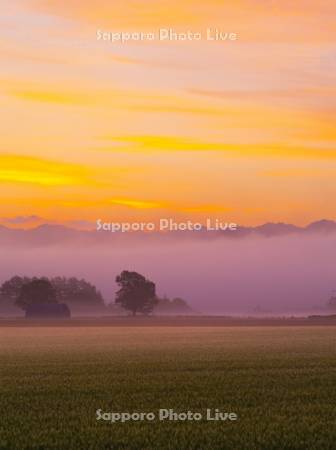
x=331 y=304
x=37 y=291
x=175 y=306
x=136 y=293
x=10 y=289
x=78 y=293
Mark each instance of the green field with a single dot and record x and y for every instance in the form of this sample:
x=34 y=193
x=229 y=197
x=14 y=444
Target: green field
x=279 y=380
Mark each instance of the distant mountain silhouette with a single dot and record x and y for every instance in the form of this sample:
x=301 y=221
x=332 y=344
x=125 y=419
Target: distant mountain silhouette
x=322 y=226
x=39 y=236
x=22 y=220
x=49 y=234
x=276 y=229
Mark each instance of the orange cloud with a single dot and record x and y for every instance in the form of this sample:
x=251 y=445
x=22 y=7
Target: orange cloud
x=63 y=98
x=156 y=143
x=137 y=204
x=31 y=170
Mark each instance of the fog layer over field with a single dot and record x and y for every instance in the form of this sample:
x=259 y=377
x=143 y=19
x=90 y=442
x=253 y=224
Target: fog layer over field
x=278 y=274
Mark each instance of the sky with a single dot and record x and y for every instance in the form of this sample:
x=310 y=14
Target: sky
x=239 y=130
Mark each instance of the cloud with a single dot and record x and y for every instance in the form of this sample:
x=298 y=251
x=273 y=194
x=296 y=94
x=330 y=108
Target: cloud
x=300 y=172
x=261 y=20
x=137 y=204
x=84 y=94
x=33 y=170
x=20 y=220
x=157 y=143
x=145 y=204
x=56 y=93
x=262 y=94
x=156 y=64
x=60 y=97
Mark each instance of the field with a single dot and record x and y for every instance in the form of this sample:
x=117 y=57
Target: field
x=280 y=381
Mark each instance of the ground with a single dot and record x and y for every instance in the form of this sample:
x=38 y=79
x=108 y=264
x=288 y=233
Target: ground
x=279 y=380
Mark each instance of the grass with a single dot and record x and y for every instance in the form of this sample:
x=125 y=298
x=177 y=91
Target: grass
x=279 y=380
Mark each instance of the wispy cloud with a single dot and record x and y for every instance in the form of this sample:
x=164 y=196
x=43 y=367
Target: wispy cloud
x=262 y=94
x=33 y=170
x=60 y=97
x=245 y=15
x=137 y=204
x=156 y=143
x=313 y=172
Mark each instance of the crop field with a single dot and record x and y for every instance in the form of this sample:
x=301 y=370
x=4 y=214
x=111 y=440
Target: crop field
x=279 y=381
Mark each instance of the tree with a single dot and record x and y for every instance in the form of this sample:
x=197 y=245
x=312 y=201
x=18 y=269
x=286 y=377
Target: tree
x=10 y=289
x=332 y=301
x=180 y=305
x=77 y=292
x=37 y=291
x=136 y=293
x=175 y=306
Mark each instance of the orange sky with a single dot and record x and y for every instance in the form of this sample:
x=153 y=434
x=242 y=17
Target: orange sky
x=241 y=130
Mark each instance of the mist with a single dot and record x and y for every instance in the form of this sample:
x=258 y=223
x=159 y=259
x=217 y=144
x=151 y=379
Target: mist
x=288 y=274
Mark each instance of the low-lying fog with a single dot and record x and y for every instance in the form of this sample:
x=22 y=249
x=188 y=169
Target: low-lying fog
x=289 y=274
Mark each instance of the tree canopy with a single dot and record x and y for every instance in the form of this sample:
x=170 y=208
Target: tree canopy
x=331 y=304
x=136 y=294
x=10 y=289
x=37 y=291
x=71 y=291
x=75 y=291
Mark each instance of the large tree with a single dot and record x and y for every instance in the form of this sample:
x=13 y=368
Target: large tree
x=136 y=293
x=37 y=291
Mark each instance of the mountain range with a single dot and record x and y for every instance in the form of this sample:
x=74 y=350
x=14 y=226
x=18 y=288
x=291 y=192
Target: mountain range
x=50 y=234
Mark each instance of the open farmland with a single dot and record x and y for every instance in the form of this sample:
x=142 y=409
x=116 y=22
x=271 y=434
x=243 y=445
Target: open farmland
x=280 y=381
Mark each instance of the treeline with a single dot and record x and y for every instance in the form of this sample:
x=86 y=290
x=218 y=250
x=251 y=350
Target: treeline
x=78 y=294
x=136 y=295
x=172 y=306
